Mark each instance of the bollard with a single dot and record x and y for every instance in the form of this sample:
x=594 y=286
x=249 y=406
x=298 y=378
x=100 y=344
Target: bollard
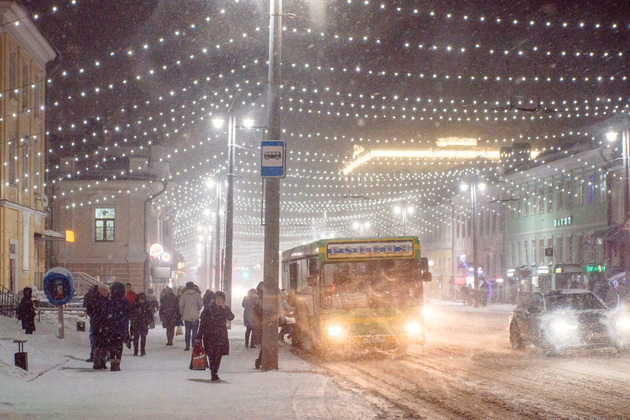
x=21 y=357
x=80 y=326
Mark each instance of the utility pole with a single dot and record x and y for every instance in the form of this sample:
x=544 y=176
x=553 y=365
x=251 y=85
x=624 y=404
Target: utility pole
x=625 y=140
x=269 y=355
x=229 y=213
x=217 y=242
x=473 y=199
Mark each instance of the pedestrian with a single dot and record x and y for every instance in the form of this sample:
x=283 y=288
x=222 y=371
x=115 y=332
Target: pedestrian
x=213 y=331
x=258 y=313
x=140 y=319
x=26 y=311
x=249 y=301
x=284 y=311
x=117 y=325
x=190 y=304
x=169 y=314
x=98 y=322
x=130 y=294
x=89 y=303
x=154 y=305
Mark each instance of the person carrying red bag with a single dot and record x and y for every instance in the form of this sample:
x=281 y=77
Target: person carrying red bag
x=213 y=330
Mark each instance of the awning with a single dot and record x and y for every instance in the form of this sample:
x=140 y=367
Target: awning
x=50 y=235
x=615 y=233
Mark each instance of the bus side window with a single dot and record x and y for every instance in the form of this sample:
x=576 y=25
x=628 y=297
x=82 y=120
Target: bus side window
x=312 y=271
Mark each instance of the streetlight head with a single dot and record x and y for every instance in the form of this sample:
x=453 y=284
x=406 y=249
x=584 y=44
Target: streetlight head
x=410 y=210
x=248 y=123
x=217 y=122
x=366 y=224
x=396 y=209
x=612 y=135
x=463 y=186
x=210 y=182
x=206 y=212
x=356 y=225
x=481 y=186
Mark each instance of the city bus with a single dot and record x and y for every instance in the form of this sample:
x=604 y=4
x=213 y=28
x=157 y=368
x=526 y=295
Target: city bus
x=356 y=293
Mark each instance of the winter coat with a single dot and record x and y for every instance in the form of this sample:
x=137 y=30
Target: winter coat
x=169 y=310
x=118 y=315
x=190 y=304
x=249 y=319
x=131 y=297
x=140 y=318
x=26 y=311
x=98 y=321
x=213 y=329
x=153 y=302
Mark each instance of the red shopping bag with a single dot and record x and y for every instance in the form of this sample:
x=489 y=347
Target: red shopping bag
x=198 y=360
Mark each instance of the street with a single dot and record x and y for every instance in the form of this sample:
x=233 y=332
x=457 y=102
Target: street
x=467 y=369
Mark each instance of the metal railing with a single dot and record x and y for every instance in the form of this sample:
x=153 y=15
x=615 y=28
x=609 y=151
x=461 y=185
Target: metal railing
x=9 y=302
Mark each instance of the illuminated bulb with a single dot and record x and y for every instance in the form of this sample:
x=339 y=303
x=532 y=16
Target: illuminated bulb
x=248 y=123
x=217 y=122
x=612 y=135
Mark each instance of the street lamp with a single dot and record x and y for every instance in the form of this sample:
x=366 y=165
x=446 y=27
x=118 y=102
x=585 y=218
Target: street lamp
x=474 y=186
x=405 y=210
x=217 y=240
x=625 y=152
x=204 y=232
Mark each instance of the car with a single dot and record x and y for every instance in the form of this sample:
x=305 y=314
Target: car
x=567 y=319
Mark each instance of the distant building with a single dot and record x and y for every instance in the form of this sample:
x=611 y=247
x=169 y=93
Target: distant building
x=24 y=52
x=115 y=219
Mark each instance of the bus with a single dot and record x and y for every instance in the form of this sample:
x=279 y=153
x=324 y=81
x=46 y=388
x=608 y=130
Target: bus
x=356 y=293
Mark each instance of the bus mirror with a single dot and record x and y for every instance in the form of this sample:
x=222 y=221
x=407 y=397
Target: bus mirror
x=424 y=264
x=311 y=280
x=426 y=276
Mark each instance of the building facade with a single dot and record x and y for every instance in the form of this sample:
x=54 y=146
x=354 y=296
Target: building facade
x=24 y=53
x=114 y=223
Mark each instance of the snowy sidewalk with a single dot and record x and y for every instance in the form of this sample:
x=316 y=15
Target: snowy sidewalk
x=61 y=384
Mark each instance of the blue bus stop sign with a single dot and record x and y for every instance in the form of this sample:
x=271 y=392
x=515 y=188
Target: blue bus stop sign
x=272 y=159
x=58 y=286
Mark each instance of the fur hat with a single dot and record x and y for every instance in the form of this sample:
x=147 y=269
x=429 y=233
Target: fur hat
x=118 y=290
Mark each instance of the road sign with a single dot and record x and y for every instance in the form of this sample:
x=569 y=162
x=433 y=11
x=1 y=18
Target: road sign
x=272 y=159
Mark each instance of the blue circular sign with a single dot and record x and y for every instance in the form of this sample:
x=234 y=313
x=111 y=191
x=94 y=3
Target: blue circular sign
x=58 y=286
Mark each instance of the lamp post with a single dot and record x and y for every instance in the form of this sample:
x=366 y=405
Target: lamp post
x=405 y=210
x=217 y=237
x=625 y=156
x=474 y=185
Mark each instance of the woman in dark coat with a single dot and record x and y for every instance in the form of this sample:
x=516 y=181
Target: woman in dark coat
x=141 y=317
x=213 y=331
x=26 y=311
x=249 y=319
x=98 y=323
x=117 y=324
x=169 y=314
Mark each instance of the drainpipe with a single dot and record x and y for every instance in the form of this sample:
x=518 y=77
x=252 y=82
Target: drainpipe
x=147 y=276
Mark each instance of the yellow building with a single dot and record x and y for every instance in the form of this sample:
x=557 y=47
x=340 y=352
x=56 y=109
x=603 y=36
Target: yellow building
x=24 y=52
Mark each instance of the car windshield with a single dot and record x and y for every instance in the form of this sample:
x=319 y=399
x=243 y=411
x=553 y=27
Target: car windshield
x=576 y=301
x=371 y=284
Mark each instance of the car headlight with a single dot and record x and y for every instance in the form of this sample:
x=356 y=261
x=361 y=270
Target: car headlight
x=622 y=324
x=413 y=328
x=561 y=326
x=336 y=331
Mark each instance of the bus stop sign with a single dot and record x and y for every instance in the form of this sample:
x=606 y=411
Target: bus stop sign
x=272 y=159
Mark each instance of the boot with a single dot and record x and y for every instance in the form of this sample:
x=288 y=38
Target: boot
x=99 y=359
x=116 y=365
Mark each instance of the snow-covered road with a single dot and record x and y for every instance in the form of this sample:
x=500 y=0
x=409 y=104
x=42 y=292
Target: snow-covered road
x=468 y=370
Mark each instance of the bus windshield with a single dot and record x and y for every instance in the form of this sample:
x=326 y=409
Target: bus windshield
x=373 y=283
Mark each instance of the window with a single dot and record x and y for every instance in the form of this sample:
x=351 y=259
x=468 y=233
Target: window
x=26 y=85
x=550 y=245
x=568 y=196
x=559 y=249
x=13 y=156
x=26 y=162
x=13 y=72
x=541 y=251
x=541 y=200
x=37 y=167
x=578 y=192
x=525 y=253
x=570 y=249
x=591 y=191
x=559 y=196
x=37 y=96
x=104 y=223
x=534 y=261
x=525 y=206
x=549 y=199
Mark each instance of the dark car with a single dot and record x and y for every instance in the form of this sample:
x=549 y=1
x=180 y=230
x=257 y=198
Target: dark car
x=564 y=319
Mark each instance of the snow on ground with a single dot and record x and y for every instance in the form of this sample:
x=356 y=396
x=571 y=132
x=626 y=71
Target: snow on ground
x=61 y=384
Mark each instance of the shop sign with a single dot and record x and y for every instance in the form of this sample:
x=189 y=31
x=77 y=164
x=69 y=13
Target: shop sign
x=596 y=268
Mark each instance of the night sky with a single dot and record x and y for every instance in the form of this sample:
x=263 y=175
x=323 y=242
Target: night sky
x=399 y=74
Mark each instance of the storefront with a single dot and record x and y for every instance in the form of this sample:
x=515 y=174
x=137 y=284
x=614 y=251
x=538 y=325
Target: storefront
x=570 y=276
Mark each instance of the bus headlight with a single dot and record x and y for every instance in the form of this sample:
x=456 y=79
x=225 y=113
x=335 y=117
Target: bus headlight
x=413 y=328
x=336 y=331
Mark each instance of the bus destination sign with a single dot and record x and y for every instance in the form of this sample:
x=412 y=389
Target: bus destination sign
x=372 y=249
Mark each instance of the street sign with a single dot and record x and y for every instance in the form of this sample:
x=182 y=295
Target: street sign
x=548 y=252
x=272 y=159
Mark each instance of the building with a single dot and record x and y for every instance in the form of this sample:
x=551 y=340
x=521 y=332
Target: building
x=24 y=53
x=120 y=223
